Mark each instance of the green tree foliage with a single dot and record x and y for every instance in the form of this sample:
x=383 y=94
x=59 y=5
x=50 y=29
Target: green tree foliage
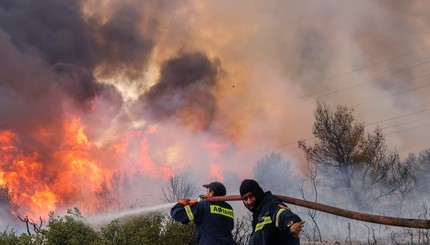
x=140 y=230
x=177 y=233
x=155 y=228
x=12 y=238
x=9 y=238
x=68 y=229
x=350 y=158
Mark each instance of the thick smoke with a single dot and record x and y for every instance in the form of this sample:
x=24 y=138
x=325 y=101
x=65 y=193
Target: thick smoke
x=157 y=88
x=49 y=55
x=78 y=83
x=26 y=89
x=123 y=49
x=53 y=30
x=184 y=91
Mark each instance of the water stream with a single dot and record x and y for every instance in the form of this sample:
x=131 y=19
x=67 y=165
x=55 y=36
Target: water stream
x=105 y=218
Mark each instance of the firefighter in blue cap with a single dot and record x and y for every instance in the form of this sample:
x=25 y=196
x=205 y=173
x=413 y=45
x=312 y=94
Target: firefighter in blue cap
x=272 y=221
x=214 y=221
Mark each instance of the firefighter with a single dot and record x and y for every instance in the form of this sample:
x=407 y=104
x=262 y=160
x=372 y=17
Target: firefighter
x=214 y=221
x=272 y=221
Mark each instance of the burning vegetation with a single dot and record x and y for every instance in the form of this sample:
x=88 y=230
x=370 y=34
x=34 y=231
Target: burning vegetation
x=104 y=102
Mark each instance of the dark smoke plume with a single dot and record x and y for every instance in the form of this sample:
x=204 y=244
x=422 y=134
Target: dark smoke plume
x=53 y=30
x=185 y=90
x=123 y=49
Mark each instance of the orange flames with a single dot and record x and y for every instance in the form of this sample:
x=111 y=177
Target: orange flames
x=215 y=167
x=40 y=183
x=78 y=173
x=23 y=173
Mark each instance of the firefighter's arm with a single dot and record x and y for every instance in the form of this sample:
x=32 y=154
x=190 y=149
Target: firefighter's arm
x=179 y=214
x=183 y=211
x=188 y=202
x=184 y=201
x=286 y=220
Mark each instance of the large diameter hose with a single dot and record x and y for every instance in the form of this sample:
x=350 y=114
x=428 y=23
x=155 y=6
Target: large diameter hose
x=394 y=221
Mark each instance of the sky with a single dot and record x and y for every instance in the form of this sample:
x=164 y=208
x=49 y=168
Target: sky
x=145 y=90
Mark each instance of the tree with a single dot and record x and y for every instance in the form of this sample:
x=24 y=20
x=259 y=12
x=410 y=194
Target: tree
x=115 y=182
x=7 y=204
x=348 y=157
x=311 y=173
x=402 y=180
x=37 y=227
x=69 y=229
x=104 y=197
x=9 y=237
x=242 y=229
x=153 y=228
x=178 y=187
x=177 y=233
x=423 y=171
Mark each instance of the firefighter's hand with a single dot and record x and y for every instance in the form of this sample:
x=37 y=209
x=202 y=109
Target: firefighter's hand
x=297 y=228
x=201 y=198
x=184 y=202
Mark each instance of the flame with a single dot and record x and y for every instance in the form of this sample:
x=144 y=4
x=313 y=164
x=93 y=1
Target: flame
x=145 y=161
x=216 y=172
x=215 y=148
x=75 y=133
x=72 y=172
x=45 y=200
x=39 y=183
x=22 y=173
x=6 y=137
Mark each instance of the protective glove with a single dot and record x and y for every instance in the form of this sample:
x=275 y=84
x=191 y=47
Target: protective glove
x=184 y=201
x=201 y=198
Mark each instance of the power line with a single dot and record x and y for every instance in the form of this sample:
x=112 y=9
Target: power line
x=387 y=73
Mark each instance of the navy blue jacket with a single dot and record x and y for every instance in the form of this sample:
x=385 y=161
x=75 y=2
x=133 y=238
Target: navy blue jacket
x=214 y=221
x=269 y=223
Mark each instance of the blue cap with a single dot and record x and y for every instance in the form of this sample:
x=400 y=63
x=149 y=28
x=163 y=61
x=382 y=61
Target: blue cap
x=217 y=187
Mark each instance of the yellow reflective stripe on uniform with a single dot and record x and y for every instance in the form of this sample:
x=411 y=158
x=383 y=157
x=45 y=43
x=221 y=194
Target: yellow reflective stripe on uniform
x=277 y=217
x=267 y=220
x=189 y=212
x=215 y=209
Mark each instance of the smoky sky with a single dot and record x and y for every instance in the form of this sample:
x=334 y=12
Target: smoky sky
x=49 y=53
x=58 y=33
x=52 y=29
x=117 y=65
x=185 y=88
x=122 y=47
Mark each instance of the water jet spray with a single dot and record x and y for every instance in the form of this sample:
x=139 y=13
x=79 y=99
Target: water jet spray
x=108 y=217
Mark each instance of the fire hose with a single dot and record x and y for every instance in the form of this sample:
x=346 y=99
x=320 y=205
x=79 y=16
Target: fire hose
x=394 y=221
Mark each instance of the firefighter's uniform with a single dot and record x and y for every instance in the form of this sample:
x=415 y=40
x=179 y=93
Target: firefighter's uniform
x=271 y=222
x=214 y=221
